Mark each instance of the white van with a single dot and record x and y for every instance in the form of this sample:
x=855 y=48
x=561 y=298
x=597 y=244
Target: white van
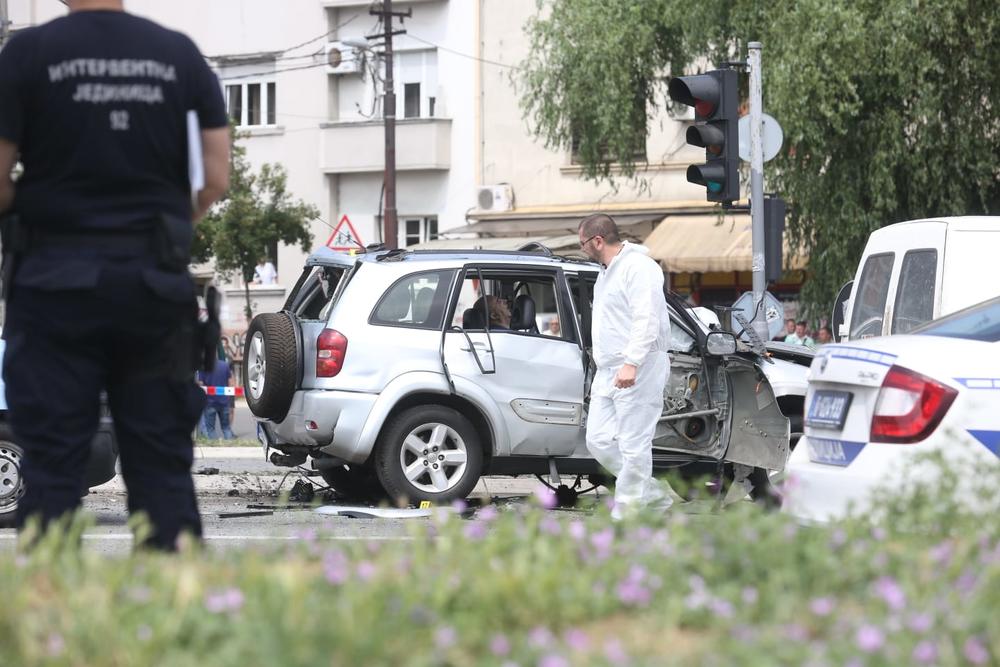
x=913 y=272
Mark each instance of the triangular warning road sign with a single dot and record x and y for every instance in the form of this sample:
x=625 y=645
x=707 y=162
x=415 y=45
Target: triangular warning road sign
x=345 y=239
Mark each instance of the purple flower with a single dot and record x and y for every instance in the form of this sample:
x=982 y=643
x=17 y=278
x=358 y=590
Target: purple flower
x=144 y=633
x=540 y=637
x=577 y=530
x=749 y=595
x=921 y=623
x=975 y=651
x=890 y=591
x=721 y=608
x=576 y=639
x=56 y=645
x=925 y=653
x=796 y=632
x=545 y=497
x=869 y=638
x=366 y=570
x=308 y=535
x=966 y=583
x=499 y=645
x=221 y=601
x=822 y=606
x=791 y=530
x=602 y=541
x=553 y=660
x=838 y=538
x=475 y=530
x=487 y=514
x=550 y=525
x=335 y=568
x=941 y=553
x=633 y=594
x=460 y=505
x=878 y=533
x=615 y=654
x=444 y=637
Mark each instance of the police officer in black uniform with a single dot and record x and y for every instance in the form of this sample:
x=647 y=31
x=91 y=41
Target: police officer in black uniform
x=98 y=292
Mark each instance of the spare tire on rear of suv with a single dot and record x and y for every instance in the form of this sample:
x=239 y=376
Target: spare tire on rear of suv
x=270 y=365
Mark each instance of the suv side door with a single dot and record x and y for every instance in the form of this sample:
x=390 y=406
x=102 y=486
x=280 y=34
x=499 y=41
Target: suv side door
x=535 y=380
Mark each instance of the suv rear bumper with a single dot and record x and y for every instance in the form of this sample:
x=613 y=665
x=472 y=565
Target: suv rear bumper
x=338 y=417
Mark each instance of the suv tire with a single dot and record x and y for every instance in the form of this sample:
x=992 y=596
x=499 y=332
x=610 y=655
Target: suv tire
x=451 y=443
x=270 y=365
x=11 y=479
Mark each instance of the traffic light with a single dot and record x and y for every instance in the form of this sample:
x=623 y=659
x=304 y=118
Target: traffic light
x=774 y=231
x=714 y=96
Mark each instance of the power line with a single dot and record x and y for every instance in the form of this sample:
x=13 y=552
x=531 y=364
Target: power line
x=263 y=73
x=291 y=48
x=464 y=55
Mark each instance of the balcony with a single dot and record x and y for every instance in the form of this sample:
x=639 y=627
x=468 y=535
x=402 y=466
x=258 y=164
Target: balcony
x=355 y=148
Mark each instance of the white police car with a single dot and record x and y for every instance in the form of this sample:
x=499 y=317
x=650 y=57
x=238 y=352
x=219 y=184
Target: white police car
x=875 y=405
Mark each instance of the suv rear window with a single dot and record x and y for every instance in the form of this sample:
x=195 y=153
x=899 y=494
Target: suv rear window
x=869 y=302
x=417 y=300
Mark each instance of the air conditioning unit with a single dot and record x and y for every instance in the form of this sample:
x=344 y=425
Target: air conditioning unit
x=342 y=59
x=495 y=198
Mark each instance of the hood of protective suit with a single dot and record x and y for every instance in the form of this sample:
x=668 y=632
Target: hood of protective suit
x=630 y=320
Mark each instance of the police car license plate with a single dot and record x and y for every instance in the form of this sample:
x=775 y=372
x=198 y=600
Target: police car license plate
x=829 y=409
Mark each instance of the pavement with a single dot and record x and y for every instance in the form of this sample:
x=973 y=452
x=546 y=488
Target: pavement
x=239 y=496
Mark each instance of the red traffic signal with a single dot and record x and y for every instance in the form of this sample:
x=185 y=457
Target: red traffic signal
x=714 y=96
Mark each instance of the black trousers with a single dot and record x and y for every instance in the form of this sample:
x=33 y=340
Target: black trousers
x=63 y=348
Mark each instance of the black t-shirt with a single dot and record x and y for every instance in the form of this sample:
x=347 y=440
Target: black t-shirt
x=97 y=103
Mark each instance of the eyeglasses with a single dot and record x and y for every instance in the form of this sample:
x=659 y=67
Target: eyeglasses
x=584 y=244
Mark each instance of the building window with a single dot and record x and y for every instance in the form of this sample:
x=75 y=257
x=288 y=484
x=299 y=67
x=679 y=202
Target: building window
x=417 y=83
x=411 y=100
x=414 y=230
x=252 y=103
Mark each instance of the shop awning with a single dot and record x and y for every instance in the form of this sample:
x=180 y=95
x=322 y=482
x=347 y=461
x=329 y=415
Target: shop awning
x=707 y=243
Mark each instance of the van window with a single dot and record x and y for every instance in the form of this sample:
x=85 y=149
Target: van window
x=915 y=294
x=873 y=289
x=418 y=301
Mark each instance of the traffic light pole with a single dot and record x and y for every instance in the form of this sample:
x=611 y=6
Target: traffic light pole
x=757 y=190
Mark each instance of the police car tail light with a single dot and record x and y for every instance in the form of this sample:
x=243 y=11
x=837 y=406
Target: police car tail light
x=909 y=406
x=331 y=348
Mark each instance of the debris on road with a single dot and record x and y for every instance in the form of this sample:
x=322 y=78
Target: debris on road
x=207 y=470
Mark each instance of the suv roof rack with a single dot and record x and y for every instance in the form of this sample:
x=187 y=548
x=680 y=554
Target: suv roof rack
x=535 y=246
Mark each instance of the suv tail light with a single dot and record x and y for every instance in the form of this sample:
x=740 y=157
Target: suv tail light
x=909 y=406
x=331 y=348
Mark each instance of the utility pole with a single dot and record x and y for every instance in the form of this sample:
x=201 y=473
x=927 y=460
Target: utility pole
x=757 y=190
x=390 y=219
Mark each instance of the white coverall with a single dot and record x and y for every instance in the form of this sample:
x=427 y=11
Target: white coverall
x=631 y=325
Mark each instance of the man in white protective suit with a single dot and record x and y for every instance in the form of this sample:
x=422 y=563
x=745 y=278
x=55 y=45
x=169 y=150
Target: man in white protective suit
x=631 y=335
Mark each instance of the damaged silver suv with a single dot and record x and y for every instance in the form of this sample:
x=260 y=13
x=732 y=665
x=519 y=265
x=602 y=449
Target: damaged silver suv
x=384 y=370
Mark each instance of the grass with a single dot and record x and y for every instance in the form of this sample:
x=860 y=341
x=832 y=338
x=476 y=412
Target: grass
x=915 y=582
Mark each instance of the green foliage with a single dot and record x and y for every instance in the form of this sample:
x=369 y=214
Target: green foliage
x=917 y=582
x=256 y=212
x=888 y=107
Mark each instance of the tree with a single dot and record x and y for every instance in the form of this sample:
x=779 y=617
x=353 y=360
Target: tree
x=889 y=107
x=256 y=213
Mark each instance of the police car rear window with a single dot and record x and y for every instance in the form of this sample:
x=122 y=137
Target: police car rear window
x=980 y=322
